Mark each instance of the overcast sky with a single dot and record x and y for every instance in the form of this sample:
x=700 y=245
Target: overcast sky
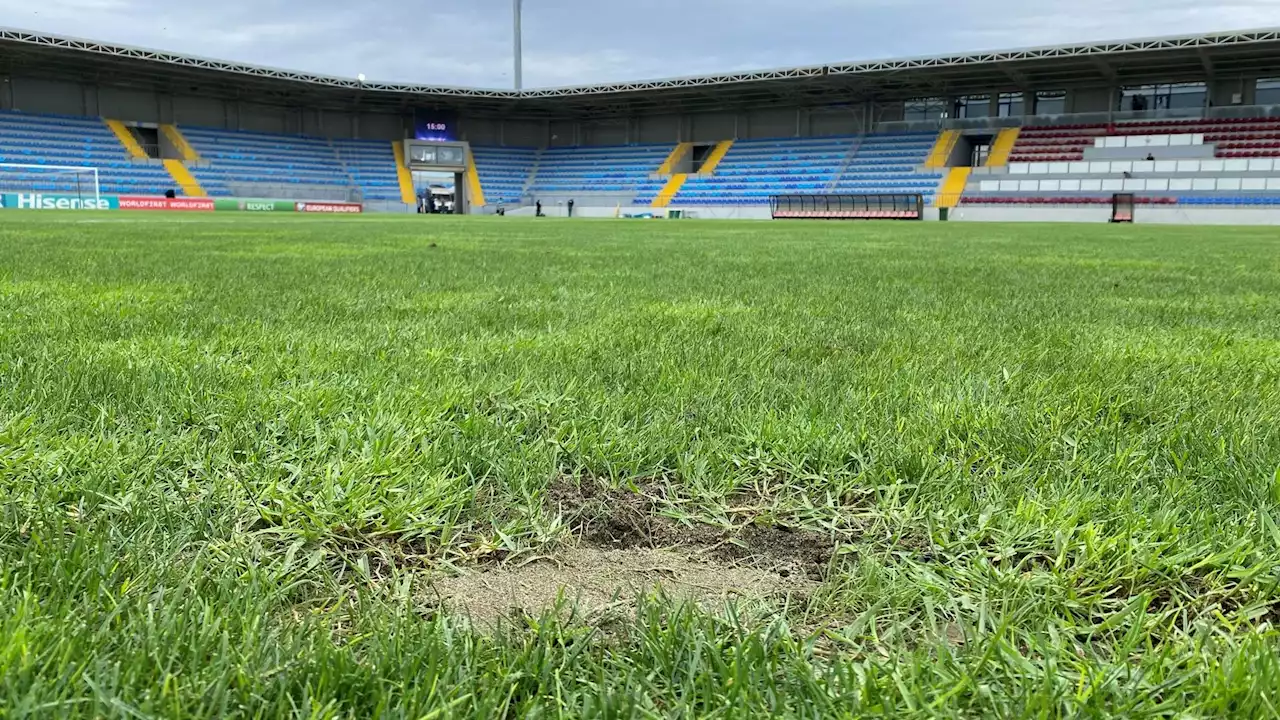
x=571 y=42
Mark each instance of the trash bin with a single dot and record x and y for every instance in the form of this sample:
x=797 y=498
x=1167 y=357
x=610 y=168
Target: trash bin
x=943 y=214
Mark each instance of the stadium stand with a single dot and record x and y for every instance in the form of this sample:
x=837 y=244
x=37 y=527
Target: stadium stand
x=230 y=163
x=55 y=140
x=505 y=173
x=626 y=173
x=1054 y=143
x=755 y=170
x=371 y=164
x=621 y=174
x=748 y=173
x=253 y=164
x=731 y=140
x=1192 y=161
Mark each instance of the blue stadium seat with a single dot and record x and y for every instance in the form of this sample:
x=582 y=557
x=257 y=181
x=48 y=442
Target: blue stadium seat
x=55 y=140
x=755 y=170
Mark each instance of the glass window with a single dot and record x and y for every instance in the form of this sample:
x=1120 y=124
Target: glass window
x=973 y=106
x=449 y=155
x=1051 y=102
x=1187 y=95
x=1268 y=92
x=1162 y=97
x=924 y=109
x=424 y=154
x=1011 y=105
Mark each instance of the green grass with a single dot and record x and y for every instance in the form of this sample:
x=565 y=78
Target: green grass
x=231 y=451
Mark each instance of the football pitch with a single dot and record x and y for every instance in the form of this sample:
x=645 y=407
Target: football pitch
x=505 y=467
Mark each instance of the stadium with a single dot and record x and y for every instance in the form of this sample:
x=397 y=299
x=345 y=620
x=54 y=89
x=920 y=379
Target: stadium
x=330 y=397
x=1184 y=127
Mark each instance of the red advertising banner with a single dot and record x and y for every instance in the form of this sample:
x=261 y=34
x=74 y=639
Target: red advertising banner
x=139 y=202
x=329 y=207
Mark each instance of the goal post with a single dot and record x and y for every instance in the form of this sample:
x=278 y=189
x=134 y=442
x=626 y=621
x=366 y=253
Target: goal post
x=20 y=179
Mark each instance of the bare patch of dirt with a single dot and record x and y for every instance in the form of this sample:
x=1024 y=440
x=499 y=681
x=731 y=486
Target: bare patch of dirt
x=595 y=581
x=787 y=551
x=630 y=544
x=622 y=519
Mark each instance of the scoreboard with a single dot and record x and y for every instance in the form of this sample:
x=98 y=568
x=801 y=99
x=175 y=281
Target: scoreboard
x=422 y=154
x=435 y=125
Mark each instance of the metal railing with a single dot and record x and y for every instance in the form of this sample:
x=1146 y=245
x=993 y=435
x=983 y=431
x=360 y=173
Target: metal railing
x=295 y=191
x=1103 y=200
x=1090 y=118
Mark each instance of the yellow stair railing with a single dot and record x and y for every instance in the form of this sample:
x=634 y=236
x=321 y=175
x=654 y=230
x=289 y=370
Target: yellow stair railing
x=180 y=143
x=668 y=166
x=668 y=191
x=474 y=191
x=407 y=195
x=713 y=160
x=126 y=139
x=942 y=148
x=953 y=187
x=185 y=180
x=1002 y=147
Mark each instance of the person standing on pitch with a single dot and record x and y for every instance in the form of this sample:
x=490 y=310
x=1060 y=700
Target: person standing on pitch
x=570 y=207
x=537 y=209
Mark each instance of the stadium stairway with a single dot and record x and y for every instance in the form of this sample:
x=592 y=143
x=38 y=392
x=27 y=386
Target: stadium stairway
x=669 y=190
x=715 y=158
x=179 y=142
x=49 y=141
x=1002 y=147
x=126 y=138
x=404 y=178
x=184 y=179
x=942 y=149
x=472 y=178
x=668 y=166
x=953 y=187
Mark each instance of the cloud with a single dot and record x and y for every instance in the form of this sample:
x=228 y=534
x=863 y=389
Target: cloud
x=570 y=42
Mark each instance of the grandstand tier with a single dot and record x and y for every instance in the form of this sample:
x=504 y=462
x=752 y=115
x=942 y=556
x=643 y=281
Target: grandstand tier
x=150 y=122
x=1188 y=161
x=755 y=170
x=72 y=142
x=264 y=165
x=748 y=173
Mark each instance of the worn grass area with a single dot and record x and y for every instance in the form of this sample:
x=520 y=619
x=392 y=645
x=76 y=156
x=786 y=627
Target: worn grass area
x=1011 y=470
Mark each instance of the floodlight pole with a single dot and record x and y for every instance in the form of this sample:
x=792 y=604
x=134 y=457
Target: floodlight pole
x=517 y=51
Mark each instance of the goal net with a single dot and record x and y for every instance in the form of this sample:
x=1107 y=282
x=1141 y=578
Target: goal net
x=50 y=186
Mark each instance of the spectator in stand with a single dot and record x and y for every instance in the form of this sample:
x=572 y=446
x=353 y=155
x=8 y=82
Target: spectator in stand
x=1150 y=157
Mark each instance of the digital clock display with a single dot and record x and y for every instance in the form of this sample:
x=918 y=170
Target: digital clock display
x=435 y=125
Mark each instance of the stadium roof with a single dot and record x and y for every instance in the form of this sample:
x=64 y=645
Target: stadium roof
x=1167 y=59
